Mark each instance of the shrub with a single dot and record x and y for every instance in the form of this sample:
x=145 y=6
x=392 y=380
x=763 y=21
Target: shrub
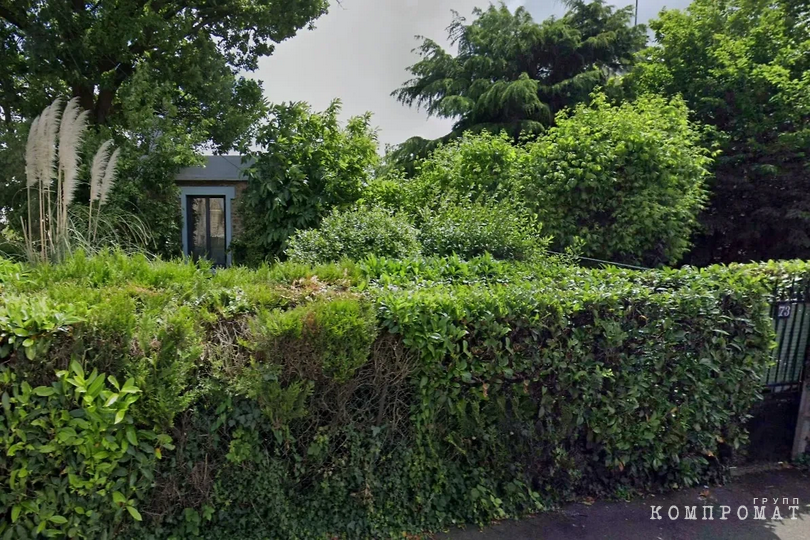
x=375 y=400
x=412 y=272
x=339 y=333
x=75 y=461
x=473 y=168
x=309 y=165
x=388 y=191
x=576 y=389
x=468 y=230
x=355 y=234
x=625 y=182
x=628 y=180
x=504 y=230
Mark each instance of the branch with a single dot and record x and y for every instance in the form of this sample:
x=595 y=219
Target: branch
x=214 y=16
x=20 y=20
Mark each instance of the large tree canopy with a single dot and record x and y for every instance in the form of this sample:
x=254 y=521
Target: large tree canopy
x=743 y=67
x=161 y=77
x=514 y=74
x=92 y=49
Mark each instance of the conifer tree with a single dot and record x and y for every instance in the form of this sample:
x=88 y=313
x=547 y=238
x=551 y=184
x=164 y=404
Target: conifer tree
x=513 y=74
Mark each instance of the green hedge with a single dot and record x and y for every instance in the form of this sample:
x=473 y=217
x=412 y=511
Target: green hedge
x=503 y=229
x=362 y=400
x=354 y=234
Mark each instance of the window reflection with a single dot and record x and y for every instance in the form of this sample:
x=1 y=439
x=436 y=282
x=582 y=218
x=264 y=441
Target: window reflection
x=216 y=213
x=207 y=227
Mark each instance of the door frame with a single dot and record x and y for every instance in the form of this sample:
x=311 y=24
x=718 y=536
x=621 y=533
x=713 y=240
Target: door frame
x=229 y=192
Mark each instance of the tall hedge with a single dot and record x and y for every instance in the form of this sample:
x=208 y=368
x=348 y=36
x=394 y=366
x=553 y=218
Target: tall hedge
x=163 y=400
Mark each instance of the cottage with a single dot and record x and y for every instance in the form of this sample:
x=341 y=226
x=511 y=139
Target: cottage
x=208 y=197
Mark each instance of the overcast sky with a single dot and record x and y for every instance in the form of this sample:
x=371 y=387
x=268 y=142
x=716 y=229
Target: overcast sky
x=359 y=53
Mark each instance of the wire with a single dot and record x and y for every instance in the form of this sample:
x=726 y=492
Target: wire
x=600 y=261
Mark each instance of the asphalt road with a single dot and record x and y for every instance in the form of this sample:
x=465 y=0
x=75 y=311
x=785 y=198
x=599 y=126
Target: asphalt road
x=632 y=520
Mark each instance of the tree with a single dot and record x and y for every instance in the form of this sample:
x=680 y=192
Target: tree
x=308 y=164
x=513 y=74
x=160 y=77
x=742 y=66
x=93 y=49
x=628 y=180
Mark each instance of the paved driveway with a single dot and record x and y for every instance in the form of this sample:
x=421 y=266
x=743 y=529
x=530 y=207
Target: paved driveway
x=631 y=520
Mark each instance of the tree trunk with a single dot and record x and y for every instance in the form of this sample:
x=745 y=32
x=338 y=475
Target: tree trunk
x=104 y=105
x=85 y=95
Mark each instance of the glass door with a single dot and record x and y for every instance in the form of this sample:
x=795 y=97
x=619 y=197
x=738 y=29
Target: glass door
x=206 y=228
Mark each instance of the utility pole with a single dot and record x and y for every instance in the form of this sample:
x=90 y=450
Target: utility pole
x=636 y=24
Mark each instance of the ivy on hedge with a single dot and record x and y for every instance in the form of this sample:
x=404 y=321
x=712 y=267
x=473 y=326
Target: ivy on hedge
x=374 y=399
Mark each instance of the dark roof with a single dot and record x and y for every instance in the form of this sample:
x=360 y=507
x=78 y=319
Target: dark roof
x=216 y=169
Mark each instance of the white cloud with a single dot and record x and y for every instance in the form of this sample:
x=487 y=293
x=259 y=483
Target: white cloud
x=360 y=51
x=514 y=4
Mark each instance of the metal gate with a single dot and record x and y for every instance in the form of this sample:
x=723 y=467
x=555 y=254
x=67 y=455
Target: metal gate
x=773 y=425
x=792 y=326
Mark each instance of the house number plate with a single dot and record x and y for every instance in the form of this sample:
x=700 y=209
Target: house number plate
x=783 y=310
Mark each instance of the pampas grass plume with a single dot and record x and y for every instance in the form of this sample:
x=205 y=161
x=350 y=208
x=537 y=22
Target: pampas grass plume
x=31 y=149
x=109 y=177
x=98 y=169
x=71 y=132
x=46 y=140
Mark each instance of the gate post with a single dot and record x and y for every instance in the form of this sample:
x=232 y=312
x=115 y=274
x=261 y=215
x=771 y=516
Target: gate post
x=802 y=421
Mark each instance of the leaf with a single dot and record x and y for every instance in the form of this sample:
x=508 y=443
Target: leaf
x=77 y=368
x=44 y=391
x=118 y=498
x=58 y=519
x=129 y=387
x=134 y=513
x=131 y=436
x=15 y=512
x=119 y=416
x=96 y=386
x=66 y=434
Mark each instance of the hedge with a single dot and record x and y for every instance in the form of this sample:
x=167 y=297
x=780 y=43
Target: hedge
x=502 y=229
x=355 y=233
x=370 y=400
